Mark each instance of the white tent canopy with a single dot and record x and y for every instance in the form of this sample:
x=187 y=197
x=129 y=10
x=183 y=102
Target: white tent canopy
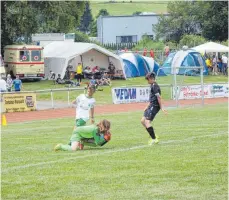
x=59 y=55
x=211 y=47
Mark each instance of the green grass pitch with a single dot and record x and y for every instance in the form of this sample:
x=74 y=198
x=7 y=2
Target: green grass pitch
x=190 y=162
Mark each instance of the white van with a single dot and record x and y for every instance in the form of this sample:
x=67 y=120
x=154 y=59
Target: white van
x=2 y=68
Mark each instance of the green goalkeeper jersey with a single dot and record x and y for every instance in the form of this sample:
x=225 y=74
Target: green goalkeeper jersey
x=87 y=132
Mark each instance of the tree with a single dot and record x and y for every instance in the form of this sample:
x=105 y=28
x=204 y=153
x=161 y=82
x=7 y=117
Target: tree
x=206 y=18
x=191 y=40
x=215 y=21
x=182 y=20
x=20 y=19
x=86 y=19
x=102 y=12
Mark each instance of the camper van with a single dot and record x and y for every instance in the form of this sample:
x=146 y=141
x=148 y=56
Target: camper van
x=27 y=61
x=2 y=68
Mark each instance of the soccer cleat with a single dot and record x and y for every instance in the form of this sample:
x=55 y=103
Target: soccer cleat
x=57 y=147
x=153 y=141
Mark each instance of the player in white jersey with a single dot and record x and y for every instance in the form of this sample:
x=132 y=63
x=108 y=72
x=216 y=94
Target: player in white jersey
x=85 y=107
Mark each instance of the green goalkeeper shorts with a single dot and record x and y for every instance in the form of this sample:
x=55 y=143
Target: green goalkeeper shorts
x=80 y=122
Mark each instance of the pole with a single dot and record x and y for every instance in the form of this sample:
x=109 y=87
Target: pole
x=202 y=85
x=175 y=85
x=68 y=98
x=52 y=99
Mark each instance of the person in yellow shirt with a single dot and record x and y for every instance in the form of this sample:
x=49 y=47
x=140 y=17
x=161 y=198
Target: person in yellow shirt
x=208 y=63
x=79 y=72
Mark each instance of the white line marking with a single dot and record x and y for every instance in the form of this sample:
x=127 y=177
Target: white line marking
x=106 y=152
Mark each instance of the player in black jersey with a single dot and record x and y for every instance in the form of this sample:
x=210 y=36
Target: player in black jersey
x=153 y=107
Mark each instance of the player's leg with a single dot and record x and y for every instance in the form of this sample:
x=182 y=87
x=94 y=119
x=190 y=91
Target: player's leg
x=75 y=145
x=79 y=122
x=62 y=147
x=143 y=121
x=149 y=115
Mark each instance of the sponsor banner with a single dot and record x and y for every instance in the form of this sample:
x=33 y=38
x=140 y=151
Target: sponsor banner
x=19 y=102
x=192 y=92
x=195 y=91
x=219 y=90
x=130 y=95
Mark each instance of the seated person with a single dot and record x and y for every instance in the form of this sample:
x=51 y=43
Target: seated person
x=87 y=70
x=93 y=81
x=105 y=81
x=59 y=80
x=95 y=69
x=52 y=75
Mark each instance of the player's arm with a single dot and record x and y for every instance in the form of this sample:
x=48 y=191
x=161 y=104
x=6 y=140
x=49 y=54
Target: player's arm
x=92 y=111
x=99 y=139
x=147 y=106
x=157 y=92
x=160 y=103
x=76 y=100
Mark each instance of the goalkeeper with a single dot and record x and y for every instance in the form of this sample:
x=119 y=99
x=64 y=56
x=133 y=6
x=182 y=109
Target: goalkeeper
x=93 y=135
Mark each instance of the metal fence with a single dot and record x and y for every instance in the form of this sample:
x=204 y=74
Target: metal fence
x=62 y=97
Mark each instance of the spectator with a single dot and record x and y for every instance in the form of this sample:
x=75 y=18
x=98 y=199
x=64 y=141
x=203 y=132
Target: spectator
x=2 y=85
x=93 y=81
x=220 y=64
x=152 y=53
x=209 y=65
x=9 y=83
x=52 y=75
x=166 y=50
x=145 y=52
x=87 y=70
x=214 y=65
x=111 y=69
x=59 y=80
x=105 y=81
x=95 y=69
x=17 y=84
x=224 y=61
x=79 y=72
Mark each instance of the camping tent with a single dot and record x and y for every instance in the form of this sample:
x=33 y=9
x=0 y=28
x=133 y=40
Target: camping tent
x=59 y=55
x=184 y=58
x=211 y=47
x=137 y=65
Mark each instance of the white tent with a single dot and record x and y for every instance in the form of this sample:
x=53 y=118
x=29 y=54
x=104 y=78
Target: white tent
x=211 y=47
x=59 y=55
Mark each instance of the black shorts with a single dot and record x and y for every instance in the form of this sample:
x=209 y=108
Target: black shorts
x=151 y=112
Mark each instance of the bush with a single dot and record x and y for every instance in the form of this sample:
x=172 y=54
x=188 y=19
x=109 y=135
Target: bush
x=81 y=37
x=191 y=40
x=225 y=43
x=149 y=44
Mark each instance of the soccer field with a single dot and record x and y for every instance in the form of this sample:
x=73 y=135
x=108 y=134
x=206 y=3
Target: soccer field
x=190 y=162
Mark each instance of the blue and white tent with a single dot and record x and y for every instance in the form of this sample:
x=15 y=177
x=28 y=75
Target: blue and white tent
x=182 y=59
x=136 y=65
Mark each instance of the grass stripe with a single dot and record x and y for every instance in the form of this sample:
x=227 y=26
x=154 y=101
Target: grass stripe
x=107 y=152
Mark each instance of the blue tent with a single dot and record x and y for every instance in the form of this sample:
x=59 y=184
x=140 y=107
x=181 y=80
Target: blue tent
x=184 y=58
x=136 y=65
